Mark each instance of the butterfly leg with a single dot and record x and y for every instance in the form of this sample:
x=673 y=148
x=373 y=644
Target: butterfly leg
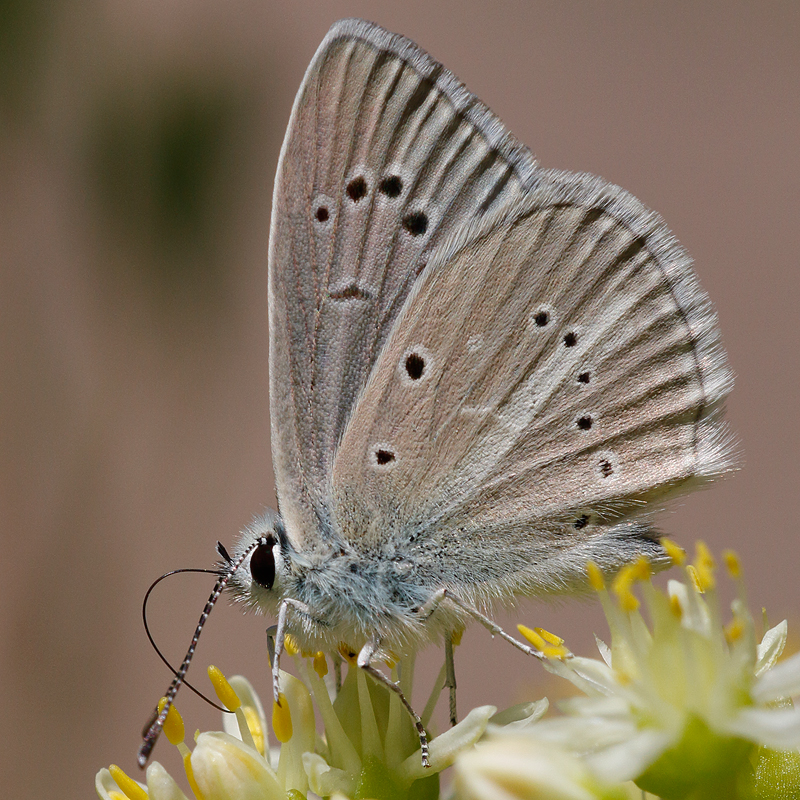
x=337 y=671
x=280 y=638
x=365 y=658
x=446 y=594
x=450 y=676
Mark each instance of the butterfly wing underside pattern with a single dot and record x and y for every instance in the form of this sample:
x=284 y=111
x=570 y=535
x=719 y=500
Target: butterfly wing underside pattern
x=556 y=372
x=386 y=154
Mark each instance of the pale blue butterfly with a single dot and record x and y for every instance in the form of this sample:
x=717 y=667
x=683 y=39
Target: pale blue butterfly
x=483 y=374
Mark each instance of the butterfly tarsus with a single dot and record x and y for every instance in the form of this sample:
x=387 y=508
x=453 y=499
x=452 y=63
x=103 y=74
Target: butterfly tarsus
x=364 y=661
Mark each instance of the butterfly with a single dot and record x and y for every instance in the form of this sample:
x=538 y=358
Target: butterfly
x=483 y=374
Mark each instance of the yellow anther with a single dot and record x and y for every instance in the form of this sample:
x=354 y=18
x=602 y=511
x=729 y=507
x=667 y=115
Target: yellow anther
x=128 y=785
x=704 y=565
x=320 y=664
x=227 y=696
x=307 y=653
x=733 y=564
x=706 y=578
x=282 y=719
x=549 y=645
x=734 y=630
x=173 y=724
x=112 y=795
x=550 y=638
x=675 y=606
x=628 y=601
x=624 y=579
x=695 y=578
x=642 y=571
x=533 y=636
x=703 y=554
x=677 y=554
x=622 y=584
x=595 y=576
x=254 y=724
x=456 y=636
x=290 y=645
x=348 y=654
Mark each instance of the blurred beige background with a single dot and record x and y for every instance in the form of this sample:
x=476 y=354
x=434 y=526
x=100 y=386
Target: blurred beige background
x=137 y=152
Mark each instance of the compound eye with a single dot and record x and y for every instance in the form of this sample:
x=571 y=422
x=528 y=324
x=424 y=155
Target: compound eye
x=262 y=565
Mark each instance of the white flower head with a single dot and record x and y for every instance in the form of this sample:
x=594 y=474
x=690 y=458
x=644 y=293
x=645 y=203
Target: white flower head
x=682 y=701
x=369 y=748
x=520 y=767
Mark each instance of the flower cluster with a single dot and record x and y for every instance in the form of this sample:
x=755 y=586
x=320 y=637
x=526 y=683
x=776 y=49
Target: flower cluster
x=680 y=705
x=370 y=747
x=685 y=706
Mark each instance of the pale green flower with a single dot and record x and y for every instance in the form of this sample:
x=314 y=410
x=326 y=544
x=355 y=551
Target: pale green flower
x=682 y=705
x=519 y=767
x=369 y=747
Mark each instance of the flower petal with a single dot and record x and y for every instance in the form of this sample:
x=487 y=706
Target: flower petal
x=226 y=769
x=607 y=707
x=161 y=785
x=445 y=747
x=778 y=728
x=605 y=650
x=584 y=734
x=771 y=647
x=588 y=674
x=524 y=768
x=104 y=783
x=520 y=716
x=781 y=682
x=325 y=780
x=627 y=760
x=253 y=710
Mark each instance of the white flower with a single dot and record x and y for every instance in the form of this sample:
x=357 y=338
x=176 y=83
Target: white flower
x=683 y=702
x=520 y=767
x=370 y=747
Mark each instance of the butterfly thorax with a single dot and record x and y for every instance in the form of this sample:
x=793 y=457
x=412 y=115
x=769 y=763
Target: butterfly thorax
x=350 y=595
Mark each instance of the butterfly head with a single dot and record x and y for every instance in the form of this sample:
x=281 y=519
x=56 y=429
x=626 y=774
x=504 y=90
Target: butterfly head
x=264 y=576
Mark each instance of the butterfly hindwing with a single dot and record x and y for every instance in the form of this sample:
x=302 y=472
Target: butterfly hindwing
x=556 y=370
x=385 y=155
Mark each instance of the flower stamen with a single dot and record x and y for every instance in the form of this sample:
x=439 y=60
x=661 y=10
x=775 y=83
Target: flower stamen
x=550 y=645
x=174 y=729
x=227 y=696
x=621 y=586
x=704 y=567
x=595 y=576
x=128 y=785
x=676 y=553
x=291 y=645
x=281 y=719
x=320 y=664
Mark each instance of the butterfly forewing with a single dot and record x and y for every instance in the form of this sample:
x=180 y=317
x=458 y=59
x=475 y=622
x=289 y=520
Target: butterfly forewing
x=556 y=370
x=386 y=154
